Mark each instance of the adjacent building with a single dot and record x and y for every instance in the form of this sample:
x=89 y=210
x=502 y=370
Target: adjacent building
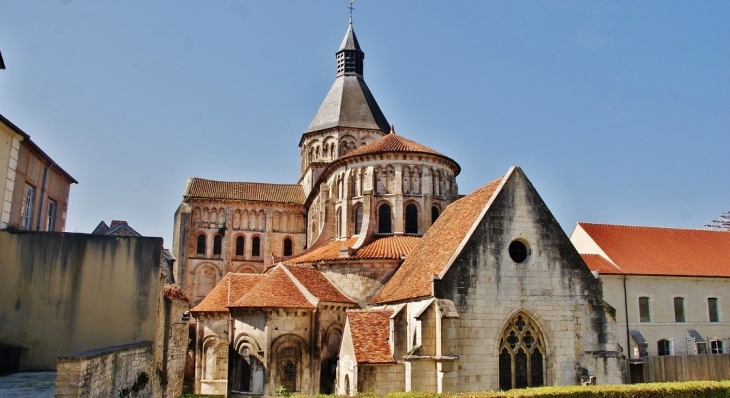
x=36 y=188
x=668 y=286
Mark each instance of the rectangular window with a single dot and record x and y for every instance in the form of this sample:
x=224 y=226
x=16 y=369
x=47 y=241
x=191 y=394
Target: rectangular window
x=712 y=309
x=26 y=214
x=664 y=347
x=644 y=309
x=678 y=309
x=51 y=215
x=716 y=346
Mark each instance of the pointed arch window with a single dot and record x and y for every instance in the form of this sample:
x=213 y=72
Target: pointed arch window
x=256 y=246
x=411 y=219
x=287 y=247
x=521 y=354
x=240 y=245
x=384 y=224
x=201 y=244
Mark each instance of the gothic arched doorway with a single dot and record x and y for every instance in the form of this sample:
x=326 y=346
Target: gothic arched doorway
x=521 y=354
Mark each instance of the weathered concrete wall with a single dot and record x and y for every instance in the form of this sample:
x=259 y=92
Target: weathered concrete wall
x=120 y=371
x=66 y=292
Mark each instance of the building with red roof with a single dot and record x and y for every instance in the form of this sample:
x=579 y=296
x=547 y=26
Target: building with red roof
x=667 y=286
x=371 y=274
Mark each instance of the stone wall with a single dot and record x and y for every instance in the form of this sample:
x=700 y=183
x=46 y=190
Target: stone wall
x=117 y=371
x=381 y=379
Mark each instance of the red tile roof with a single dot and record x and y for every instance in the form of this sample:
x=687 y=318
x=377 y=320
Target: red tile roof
x=435 y=250
x=391 y=143
x=318 y=284
x=382 y=248
x=276 y=290
x=370 y=330
x=200 y=188
x=596 y=262
x=663 y=251
x=228 y=290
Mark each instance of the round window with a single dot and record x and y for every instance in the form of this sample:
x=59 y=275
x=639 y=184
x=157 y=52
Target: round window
x=518 y=251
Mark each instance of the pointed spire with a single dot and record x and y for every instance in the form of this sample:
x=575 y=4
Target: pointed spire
x=350 y=56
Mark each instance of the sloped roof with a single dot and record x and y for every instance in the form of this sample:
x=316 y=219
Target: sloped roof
x=435 y=250
x=383 y=248
x=370 y=330
x=349 y=103
x=229 y=289
x=199 y=188
x=276 y=290
x=349 y=42
x=391 y=143
x=317 y=284
x=663 y=251
x=596 y=262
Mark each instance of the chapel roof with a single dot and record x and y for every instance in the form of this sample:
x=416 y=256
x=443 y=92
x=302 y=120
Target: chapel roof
x=276 y=290
x=370 y=330
x=349 y=103
x=637 y=250
x=199 y=188
x=436 y=250
x=381 y=248
x=317 y=284
x=229 y=289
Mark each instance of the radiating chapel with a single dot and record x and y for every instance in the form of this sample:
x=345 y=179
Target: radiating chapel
x=372 y=273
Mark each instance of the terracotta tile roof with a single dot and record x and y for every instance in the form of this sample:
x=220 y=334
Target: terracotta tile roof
x=663 y=251
x=228 y=290
x=318 y=284
x=596 y=262
x=394 y=143
x=435 y=250
x=383 y=248
x=276 y=290
x=370 y=330
x=200 y=188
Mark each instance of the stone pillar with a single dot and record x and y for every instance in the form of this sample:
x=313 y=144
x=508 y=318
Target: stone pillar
x=398 y=223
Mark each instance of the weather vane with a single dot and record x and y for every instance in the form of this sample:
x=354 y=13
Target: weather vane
x=351 y=8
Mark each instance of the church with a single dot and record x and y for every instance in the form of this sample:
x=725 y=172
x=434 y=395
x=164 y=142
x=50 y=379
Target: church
x=373 y=274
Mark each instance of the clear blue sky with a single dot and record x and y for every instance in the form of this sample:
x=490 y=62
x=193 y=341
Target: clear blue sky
x=619 y=112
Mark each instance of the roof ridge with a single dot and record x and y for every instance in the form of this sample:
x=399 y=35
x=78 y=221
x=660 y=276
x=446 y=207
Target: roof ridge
x=649 y=226
x=244 y=182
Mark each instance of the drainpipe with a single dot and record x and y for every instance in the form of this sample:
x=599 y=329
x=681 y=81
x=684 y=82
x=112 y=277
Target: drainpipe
x=628 y=341
x=43 y=192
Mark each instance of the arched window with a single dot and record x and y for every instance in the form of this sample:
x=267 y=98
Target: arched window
x=358 y=219
x=411 y=219
x=521 y=354
x=201 y=244
x=287 y=247
x=240 y=244
x=384 y=226
x=256 y=246
x=434 y=214
x=664 y=347
x=217 y=245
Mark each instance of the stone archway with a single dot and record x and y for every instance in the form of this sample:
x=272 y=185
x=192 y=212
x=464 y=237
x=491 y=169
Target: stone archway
x=521 y=354
x=330 y=350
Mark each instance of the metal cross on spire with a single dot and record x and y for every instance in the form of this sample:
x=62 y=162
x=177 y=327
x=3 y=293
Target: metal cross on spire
x=351 y=8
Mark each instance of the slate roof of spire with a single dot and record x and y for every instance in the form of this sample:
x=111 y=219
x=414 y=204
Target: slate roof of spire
x=349 y=103
x=349 y=42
